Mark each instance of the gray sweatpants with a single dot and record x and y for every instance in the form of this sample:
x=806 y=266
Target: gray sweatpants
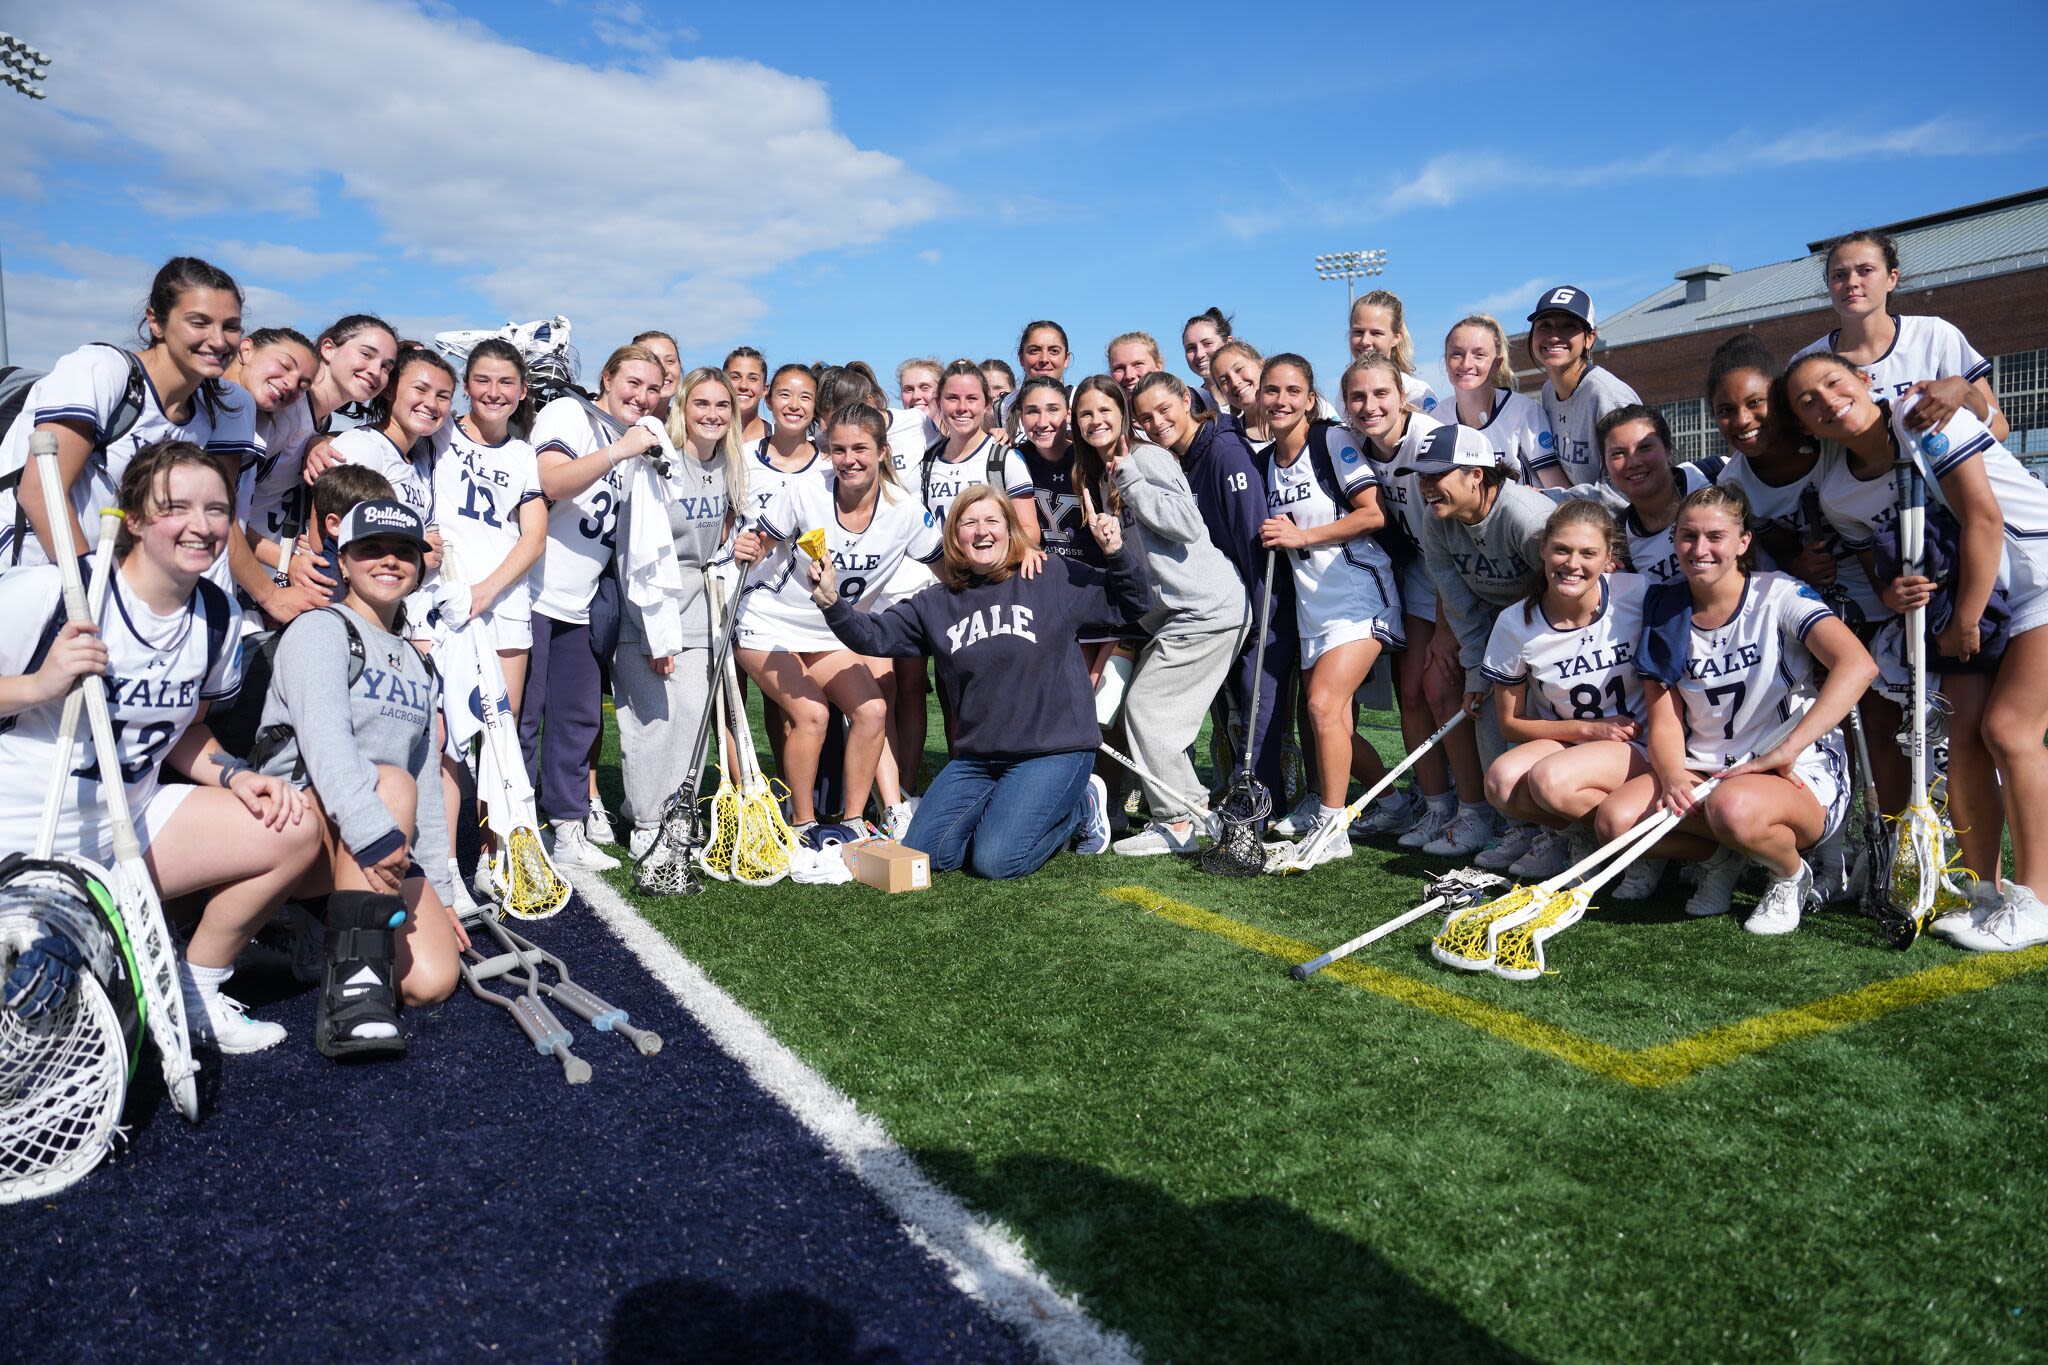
x=658 y=718
x=1176 y=679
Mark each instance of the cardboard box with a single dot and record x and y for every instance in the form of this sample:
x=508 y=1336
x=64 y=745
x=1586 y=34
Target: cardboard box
x=888 y=866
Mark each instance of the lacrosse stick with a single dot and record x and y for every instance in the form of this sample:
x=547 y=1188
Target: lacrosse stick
x=1517 y=924
x=764 y=839
x=1452 y=892
x=665 y=869
x=551 y=362
x=1203 y=818
x=550 y=1038
x=74 y=700
x=1300 y=857
x=140 y=910
x=534 y=888
x=721 y=850
x=1923 y=869
x=1241 y=818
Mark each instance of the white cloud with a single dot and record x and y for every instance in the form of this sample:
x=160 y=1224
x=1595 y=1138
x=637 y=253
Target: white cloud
x=623 y=198
x=930 y=255
x=630 y=28
x=281 y=261
x=1455 y=177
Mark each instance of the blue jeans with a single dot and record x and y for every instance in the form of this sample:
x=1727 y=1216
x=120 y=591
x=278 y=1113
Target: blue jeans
x=1000 y=817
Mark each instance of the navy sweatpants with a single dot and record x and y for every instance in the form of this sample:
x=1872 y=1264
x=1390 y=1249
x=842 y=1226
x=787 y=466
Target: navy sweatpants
x=565 y=687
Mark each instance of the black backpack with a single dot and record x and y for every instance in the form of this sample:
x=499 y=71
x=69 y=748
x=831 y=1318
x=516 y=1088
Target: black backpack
x=991 y=472
x=272 y=738
x=16 y=381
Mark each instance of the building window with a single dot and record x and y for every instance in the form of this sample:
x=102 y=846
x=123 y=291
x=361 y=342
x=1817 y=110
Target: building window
x=2021 y=382
x=1693 y=433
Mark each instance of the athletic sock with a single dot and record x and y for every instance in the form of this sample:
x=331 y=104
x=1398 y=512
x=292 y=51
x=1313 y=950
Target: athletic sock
x=1474 y=807
x=1327 y=812
x=1445 y=803
x=202 y=984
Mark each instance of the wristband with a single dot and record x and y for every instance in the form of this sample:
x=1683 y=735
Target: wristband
x=228 y=765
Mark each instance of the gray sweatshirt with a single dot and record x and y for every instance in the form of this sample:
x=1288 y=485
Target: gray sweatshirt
x=343 y=732
x=696 y=518
x=1195 y=588
x=1479 y=569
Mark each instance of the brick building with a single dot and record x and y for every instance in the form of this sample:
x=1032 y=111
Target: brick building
x=1984 y=267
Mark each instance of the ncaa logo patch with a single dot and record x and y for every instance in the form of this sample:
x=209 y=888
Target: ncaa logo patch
x=1429 y=403
x=1349 y=454
x=1935 y=443
x=1546 y=440
x=1807 y=590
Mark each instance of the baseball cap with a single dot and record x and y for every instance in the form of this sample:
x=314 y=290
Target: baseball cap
x=1451 y=447
x=383 y=517
x=1565 y=298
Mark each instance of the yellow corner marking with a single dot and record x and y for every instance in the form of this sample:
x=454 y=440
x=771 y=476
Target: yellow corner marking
x=1658 y=1065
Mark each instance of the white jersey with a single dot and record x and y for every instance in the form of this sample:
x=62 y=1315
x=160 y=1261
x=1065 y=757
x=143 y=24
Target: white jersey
x=911 y=434
x=1787 y=508
x=1347 y=582
x=942 y=481
x=777 y=611
x=1572 y=424
x=281 y=439
x=764 y=480
x=1862 y=510
x=480 y=490
x=1922 y=348
x=1515 y=428
x=1587 y=673
x=160 y=670
x=1416 y=392
x=582 y=529
x=1401 y=494
x=411 y=472
x=1744 y=678
x=1651 y=553
x=87 y=387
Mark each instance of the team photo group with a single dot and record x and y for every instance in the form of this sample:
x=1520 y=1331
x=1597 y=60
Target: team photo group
x=337 y=600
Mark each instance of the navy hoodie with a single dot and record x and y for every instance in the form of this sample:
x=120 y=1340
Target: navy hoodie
x=1006 y=652
x=1229 y=484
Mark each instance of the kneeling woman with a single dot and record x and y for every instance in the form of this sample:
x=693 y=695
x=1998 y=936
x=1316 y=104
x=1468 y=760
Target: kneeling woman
x=1024 y=709
x=166 y=642
x=351 y=712
x=1566 y=691
x=1725 y=658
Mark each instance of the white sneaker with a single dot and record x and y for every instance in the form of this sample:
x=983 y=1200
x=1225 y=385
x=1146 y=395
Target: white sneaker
x=1094 y=832
x=573 y=851
x=2020 y=921
x=598 y=825
x=215 y=1019
x=896 y=820
x=486 y=880
x=1157 y=838
x=1330 y=850
x=1301 y=819
x=640 y=840
x=1546 y=856
x=1640 y=882
x=464 y=905
x=1395 y=813
x=1504 y=851
x=1465 y=834
x=1435 y=820
x=1783 y=902
x=1714 y=894
x=1985 y=899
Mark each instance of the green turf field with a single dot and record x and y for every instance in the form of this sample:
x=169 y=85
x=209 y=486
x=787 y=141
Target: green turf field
x=1687 y=1143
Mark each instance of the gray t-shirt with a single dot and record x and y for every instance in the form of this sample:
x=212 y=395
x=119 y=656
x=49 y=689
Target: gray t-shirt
x=1572 y=421
x=1480 y=568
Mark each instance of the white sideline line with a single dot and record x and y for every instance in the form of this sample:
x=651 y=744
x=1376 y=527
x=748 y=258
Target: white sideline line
x=983 y=1259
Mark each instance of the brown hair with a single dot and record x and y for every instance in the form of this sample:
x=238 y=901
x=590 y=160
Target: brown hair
x=1404 y=344
x=1091 y=466
x=145 y=484
x=1166 y=379
x=1577 y=512
x=954 y=570
x=870 y=420
x=625 y=355
x=1728 y=498
x=342 y=487
x=1503 y=376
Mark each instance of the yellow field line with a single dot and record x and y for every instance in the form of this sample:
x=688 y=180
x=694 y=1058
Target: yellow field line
x=1658 y=1065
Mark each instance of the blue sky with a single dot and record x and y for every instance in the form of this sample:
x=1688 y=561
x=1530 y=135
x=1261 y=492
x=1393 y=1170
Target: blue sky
x=837 y=181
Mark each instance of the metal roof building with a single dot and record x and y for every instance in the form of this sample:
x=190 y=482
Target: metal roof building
x=1982 y=266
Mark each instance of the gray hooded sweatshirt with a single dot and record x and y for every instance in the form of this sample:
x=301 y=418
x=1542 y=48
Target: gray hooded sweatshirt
x=1195 y=588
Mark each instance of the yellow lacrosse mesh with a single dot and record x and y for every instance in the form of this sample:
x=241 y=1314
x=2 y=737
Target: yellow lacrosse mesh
x=812 y=542
x=1518 y=952
x=533 y=888
x=764 y=837
x=721 y=850
x=1924 y=870
x=1463 y=941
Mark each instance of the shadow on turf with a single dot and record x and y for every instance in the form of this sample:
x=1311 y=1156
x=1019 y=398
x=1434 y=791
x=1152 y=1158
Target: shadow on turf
x=689 y=1320
x=1235 y=1279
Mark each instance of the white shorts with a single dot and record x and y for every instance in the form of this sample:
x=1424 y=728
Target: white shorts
x=509 y=625
x=92 y=836
x=1386 y=629
x=1824 y=770
x=910 y=578
x=1418 y=590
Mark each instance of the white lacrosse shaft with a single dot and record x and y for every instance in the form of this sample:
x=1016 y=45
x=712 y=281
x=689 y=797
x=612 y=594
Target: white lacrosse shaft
x=1185 y=803
x=1912 y=556
x=1295 y=858
x=74 y=700
x=1369 y=937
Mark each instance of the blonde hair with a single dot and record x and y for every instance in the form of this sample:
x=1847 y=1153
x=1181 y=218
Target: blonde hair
x=1404 y=344
x=728 y=444
x=1503 y=376
x=625 y=355
x=955 y=571
x=921 y=362
x=1134 y=338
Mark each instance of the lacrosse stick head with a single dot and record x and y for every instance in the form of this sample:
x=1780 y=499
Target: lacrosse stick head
x=764 y=838
x=720 y=856
x=1466 y=940
x=533 y=888
x=1518 y=948
x=1239 y=849
x=63 y=1081
x=1463 y=887
x=669 y=867
x=71 y=898
x=1927 y=880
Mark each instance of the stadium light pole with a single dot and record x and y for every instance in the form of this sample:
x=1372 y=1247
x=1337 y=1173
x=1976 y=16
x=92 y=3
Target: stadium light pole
x=1351 y=267
x=21 y=69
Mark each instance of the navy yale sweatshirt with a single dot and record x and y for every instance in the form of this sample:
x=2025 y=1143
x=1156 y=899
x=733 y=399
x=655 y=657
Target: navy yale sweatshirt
x=1006 y=651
